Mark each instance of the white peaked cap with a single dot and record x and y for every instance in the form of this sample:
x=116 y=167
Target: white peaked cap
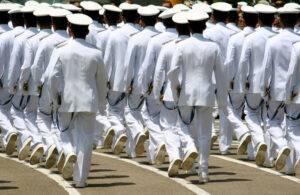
x=57 y=5
x=196 y=15
x=148 y=11
x=79 y=19
x=101 y=11
x=180 y=18
x=181 y=7
x=128 y=6
x=242 y=3
x=168 y=13
x=202 y=7
x=112 y=8
x=265 y=9
x=287 y=10
x=59 y=13
x=221 y=6
x=5 y=7
x=44 y=4
x=161 y=8
x=15 y=10
x=31 y=3
x=249 y=9
x=292 y=5
x=28 y=9
x=42 y=11
x=70 y=7
x=90 y=5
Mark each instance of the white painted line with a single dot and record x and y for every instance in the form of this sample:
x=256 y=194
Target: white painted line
x=55 y=177
x=268 y=170
x=180 y=181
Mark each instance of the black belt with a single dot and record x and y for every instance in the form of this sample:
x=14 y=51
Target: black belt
x=252 y=108
x=119 y=99
x=230 y=100
x=281 y=105
x=142 y=98
x=191 y=118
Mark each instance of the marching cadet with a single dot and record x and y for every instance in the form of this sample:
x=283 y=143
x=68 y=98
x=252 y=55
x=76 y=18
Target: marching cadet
x=50 y=134
x=95 y=11
x=200 y=6
x=177 y=135
x=16 y=61
x=4 y=8
x=78 y=89
x=292 y=110
x=236 y=99
x=9 y=133
x=232 y=20
x=221 y=34
x=275 y=63
x=91 y=9
x=248 y=77
x=194 y=61
x=159 y=26
x=25 y=82
x=134 y=58
x=151 y=108
x=114 y=62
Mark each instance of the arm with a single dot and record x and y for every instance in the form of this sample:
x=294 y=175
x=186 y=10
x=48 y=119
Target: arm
x=25 y=68
x=230 y=63
x=14 y=67
x=173 y=74
x=267 y=67
x=129 y=63
x=55 y=80
x=109 y=57
x=37 y=69
x=159 y=75
x=292 y=76
x=101 y=79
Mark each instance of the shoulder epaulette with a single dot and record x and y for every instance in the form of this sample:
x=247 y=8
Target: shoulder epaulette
x=19 y=34
x=179 y=40
x=45 y=37
x=134 y=33
x=234 y=34
x=249 y=34
x=31 y=36
x=155 y=35
x=99 y=31
x=167 y=42
x=59 y=45
x=296 y=42
x=1 y=32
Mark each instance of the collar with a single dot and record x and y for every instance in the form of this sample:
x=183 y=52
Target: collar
x=171 y=30
x=61 y=32
x=248 y=28
x=151 y=28
x=46 y=30
x=221 y=24
x=19 y=28
x=183 y=36
x=198 y=35
x=79 y=40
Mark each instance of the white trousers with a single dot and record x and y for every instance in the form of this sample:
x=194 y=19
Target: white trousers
x=275 y=112
x=101 y=127
x=134 y=122
x=201 y=125
x=178 y=136
x=225 y=135
x=78 y=137
x=150 y=114
x=293 y=135
x=115 y=112
x=5 y=116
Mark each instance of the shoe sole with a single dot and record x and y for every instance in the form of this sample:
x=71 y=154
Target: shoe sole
x=297 y=168
x=11 y=145
x=160 y=157
x=120 y=145
x=243 y=146
x=213 y=140
x=50 y=162
x=24 y=152
x=139 y=148
x=109 y=139
x=36 y=156
x=187 y=164
x=280 y=162
x=67 y=170
x=60 y=163
x=173 y=171
x=261 y=155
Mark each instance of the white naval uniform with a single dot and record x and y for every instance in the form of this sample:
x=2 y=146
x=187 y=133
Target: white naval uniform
x=16 y=61
x=94 y=29
x=114 y=62
x=220 y=34
x=236 y=99
x=196 y=59
x=276 y=64
x=6 y=44
x=177 y=135
x=293 y=108
x=232 y=26
x=249 y=71
x=50 y=134
x=160 y=27
x=30 y=110
x=80 y=74
x=135 y=54
x=151 y=108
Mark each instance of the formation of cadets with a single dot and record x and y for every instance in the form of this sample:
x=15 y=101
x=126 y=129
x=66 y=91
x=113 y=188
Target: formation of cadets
x=78 y=78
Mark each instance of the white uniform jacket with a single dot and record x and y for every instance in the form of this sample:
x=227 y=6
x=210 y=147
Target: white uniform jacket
x=233 y=26
x=196 y=59
x=17 y=57
x=293 y=83
x=146 y=73
x=135 y=54
x=4 y=28
x=161 y=83
x=31 y=47
x=6 y=46
x=250 y=65
x=115 y=56
x=276 y=63
x=102 y=38
x=94 y=29
x=80 y=71
x=234 y=51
